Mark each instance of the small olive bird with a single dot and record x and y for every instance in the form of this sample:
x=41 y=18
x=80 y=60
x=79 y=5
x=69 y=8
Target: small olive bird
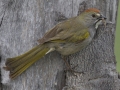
x=67 y=37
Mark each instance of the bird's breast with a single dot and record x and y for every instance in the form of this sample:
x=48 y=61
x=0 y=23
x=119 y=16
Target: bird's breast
x=70 y=48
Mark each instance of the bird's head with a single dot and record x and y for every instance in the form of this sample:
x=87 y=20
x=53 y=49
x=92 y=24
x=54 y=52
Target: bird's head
x=92 y=16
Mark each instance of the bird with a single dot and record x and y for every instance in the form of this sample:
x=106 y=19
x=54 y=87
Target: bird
x=66 y=37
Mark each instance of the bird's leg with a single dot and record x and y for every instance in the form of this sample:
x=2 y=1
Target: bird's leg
x=68 y=65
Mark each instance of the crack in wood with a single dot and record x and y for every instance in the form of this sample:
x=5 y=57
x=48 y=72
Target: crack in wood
x=59 y=17
x=2 y=18
x=118 y=76
x=82 y=7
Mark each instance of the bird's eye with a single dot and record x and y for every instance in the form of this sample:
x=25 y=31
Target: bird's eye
x=93 y=15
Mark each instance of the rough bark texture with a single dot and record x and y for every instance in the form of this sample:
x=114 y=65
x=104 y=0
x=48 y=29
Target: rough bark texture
x=23 y=22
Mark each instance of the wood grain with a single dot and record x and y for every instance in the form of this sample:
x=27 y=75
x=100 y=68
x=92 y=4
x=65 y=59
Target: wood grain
x=23 y=22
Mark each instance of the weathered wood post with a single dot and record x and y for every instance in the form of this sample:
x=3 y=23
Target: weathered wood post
x=23 y=22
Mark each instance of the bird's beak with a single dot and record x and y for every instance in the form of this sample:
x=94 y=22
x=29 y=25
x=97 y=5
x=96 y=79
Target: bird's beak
x=103 y=19
x=100 y=19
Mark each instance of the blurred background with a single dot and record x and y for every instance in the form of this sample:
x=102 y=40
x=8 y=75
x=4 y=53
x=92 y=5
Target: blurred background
x=117 y=40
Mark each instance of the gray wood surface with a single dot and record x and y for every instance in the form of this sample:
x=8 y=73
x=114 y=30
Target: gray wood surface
x=23 y=22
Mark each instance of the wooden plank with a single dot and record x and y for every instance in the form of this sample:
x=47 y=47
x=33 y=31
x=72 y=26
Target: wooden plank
x=25 y=21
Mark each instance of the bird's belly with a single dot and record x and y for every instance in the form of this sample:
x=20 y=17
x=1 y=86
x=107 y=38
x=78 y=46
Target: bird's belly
x=70 y=48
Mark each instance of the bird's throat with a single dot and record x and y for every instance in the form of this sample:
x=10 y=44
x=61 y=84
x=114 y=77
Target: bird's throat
x=97 y=23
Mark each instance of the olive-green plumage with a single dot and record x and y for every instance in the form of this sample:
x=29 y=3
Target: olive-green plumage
x=20 y=63
x=66 y=37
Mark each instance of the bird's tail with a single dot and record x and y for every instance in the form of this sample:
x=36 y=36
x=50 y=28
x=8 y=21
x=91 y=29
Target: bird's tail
x=19 y=64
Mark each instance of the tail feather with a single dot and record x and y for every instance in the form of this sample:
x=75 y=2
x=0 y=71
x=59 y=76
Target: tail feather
x=19 y=64
x=11 y=60
x=21 y=59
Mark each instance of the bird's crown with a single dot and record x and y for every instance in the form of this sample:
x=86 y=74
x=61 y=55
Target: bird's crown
x=93 y=10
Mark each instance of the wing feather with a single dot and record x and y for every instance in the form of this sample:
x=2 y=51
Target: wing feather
x=66 y=31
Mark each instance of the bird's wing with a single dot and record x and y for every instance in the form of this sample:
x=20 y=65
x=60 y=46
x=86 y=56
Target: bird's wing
x=50 y=34
x=71 y=37
x=59 y=28
x=66 y=31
